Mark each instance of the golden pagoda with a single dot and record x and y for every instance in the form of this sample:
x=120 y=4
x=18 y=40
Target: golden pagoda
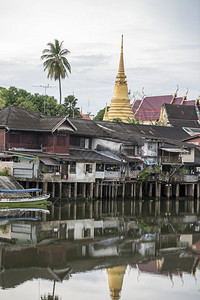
x=115 y=281
x=120 y=107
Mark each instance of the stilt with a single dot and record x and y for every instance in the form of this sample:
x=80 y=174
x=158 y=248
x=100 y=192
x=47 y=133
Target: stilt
x=52 y=211
x=140 y=190
x=68 y=210
x=84 y=189
x=177 y=190
x=59 y=213
x=97 y=189
x=186 y=190
x=158 y=190
x=75 y=191
x=177 y=206
x=100 y=209
x=122 y=207
x=83 y=210
x=140 y=207
x=123 y=190
x=27 y=184
x=44 y=188
x=197 y=210
x=150 y=207
x=116 y=190
x=192 y=190
x=90 y=210
x=168 y=191
x=109 y=191
x=75 y=210
x=101 y=190
x=69 y=190
x=113 y=191
x=150 y=189
x=60 y=189
x=44 y=217
x=135 y=190
x=131 y=190
x=91 y=190
x=53 y=190
x=197 y=191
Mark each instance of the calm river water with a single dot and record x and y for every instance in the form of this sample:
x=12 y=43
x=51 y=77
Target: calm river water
x=106 y=250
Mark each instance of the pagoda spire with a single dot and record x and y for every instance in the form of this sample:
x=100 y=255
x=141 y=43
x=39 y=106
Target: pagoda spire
x=121 y=73
x=120 y=107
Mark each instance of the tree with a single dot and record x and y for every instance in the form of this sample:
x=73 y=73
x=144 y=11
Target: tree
x=100 y=114
x=56 y=62
x=70 y=106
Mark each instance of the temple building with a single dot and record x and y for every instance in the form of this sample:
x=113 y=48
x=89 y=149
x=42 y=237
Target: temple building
x=149 y=109
x=120 y=107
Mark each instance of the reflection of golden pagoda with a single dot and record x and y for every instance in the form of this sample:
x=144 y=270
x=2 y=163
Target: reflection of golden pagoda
x=115 y=280
x=120 y=106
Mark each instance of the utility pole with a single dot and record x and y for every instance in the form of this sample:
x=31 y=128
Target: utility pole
x=45 y=87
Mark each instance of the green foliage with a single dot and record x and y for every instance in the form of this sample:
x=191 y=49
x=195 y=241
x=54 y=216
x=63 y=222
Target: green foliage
x=158 y=123
x=100 y=114
x=133 y=121
x=5 y=171
x=117 y=120
x=144 y=175
x=38 y=103
x=70 y=106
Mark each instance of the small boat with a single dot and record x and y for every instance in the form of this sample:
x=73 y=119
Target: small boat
x=22 y=201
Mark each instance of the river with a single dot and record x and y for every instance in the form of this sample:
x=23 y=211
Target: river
x=102 y=250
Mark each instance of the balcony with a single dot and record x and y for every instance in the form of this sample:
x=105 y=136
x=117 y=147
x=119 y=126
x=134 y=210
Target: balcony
x=171 y=160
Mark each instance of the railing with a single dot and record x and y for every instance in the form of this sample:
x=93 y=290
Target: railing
x=190 y=178
x=133 y=173
x=51 y=176
x=175 y=160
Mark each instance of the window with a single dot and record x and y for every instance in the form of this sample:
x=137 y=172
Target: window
x=130 y=152
x=72 y=167
x=86 y=143
x=99 y=167
x=89 y=168
x=74 y=140
x=82 y=142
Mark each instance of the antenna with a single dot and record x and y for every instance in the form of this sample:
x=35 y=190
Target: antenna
x=45 y=87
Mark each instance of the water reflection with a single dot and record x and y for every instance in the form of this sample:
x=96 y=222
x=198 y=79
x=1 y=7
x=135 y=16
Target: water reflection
x=158 y=238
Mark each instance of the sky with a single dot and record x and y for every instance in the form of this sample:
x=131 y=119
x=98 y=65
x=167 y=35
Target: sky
x=161 y=46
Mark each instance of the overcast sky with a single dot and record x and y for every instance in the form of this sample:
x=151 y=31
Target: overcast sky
x=161 y=46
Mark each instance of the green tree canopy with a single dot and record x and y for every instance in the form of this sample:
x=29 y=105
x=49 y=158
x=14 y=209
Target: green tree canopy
x=56 y=63
x=38 y=103
x=70 y=106
x=100 y=114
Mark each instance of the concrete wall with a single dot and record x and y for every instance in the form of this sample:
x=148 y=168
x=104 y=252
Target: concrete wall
x=81 y=174
x=188 y=157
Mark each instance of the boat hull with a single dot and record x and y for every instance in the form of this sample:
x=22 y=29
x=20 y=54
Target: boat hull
x=24 y=202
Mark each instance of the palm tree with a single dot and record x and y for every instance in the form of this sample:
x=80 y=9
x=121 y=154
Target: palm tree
x=56 y=62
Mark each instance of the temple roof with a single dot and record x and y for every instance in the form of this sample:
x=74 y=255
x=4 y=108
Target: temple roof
x=149 y=108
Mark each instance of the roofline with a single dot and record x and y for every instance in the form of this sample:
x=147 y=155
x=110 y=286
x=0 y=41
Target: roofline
x=190 y=137
x=61 y=122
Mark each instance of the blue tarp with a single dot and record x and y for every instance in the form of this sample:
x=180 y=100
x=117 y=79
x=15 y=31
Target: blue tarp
x=22 y=191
